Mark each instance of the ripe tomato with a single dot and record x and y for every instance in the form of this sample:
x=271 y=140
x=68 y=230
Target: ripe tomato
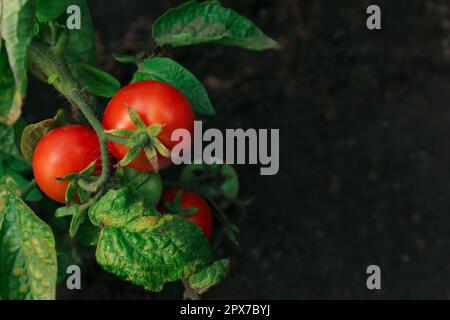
x=202 y=217
x=64 y=150
x=156 y=103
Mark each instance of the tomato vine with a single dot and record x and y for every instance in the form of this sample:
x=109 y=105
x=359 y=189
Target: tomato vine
x=137 y=237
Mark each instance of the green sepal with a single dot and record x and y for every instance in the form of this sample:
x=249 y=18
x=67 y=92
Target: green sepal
x=130 y=156
x=77 y=219
x=89 y=170
x=161 y=148
x=188 y=212
x=71 y=191
x=122 y=133
x=175 y=206
x=135 y=118
x=83 y=195
x=66 y=211
x=123 y=58
x=155 y=129
x=230 y=231
x=152 y=156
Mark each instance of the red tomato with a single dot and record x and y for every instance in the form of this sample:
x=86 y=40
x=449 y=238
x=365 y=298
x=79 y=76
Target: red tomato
x=64 y=150
x=202 y=218
x=155 y=102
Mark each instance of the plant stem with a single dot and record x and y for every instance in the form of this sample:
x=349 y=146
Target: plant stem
x=76 y=98
x=227 y=224
x=47 y=62
x=189 y=293
x=87 y=205
x=26 y=190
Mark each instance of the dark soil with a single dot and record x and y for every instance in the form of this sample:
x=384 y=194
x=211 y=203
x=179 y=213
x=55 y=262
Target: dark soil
x=364 y=119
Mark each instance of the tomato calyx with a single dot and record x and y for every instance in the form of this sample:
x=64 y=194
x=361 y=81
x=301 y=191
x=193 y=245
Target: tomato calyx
x=175 y=207
x=142 y=138
x=76 y=181
x=212 y=177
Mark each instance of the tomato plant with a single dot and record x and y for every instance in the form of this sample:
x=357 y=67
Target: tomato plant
x=189 y=205
x=109 y=206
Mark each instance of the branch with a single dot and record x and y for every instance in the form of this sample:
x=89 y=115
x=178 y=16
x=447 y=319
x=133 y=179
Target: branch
x=27 y=189
x=47 y=62
x=189 y=293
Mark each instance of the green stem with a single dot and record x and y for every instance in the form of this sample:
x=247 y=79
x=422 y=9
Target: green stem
x=61 y=44
x=47 y=63
x=25 y=191
x=189 y=293
x=222 y=216
x=87 y=205
x=77 y=99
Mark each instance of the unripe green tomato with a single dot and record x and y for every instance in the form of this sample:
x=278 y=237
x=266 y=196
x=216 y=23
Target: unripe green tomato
x=147 y=185
x=215 y=179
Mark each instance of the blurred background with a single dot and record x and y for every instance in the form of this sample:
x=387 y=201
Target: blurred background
x=364 y=119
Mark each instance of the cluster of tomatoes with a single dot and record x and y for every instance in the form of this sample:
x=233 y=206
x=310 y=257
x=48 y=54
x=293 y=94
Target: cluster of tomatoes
x=70 y=149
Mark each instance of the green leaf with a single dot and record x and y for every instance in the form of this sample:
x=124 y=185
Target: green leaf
x=168 y=71
x=118 y=208
x=33 y=133
x=123 y=58
x=81 y=47
x=28 y=264
x=16 y=164
x=11 y=162
x=7 y=182
x=210 y=276
x=195 y=23
x=8 y=143
x=98 y=82
x=48 y=10
x=17 y=30
x=144 y=249
x=7 y=103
